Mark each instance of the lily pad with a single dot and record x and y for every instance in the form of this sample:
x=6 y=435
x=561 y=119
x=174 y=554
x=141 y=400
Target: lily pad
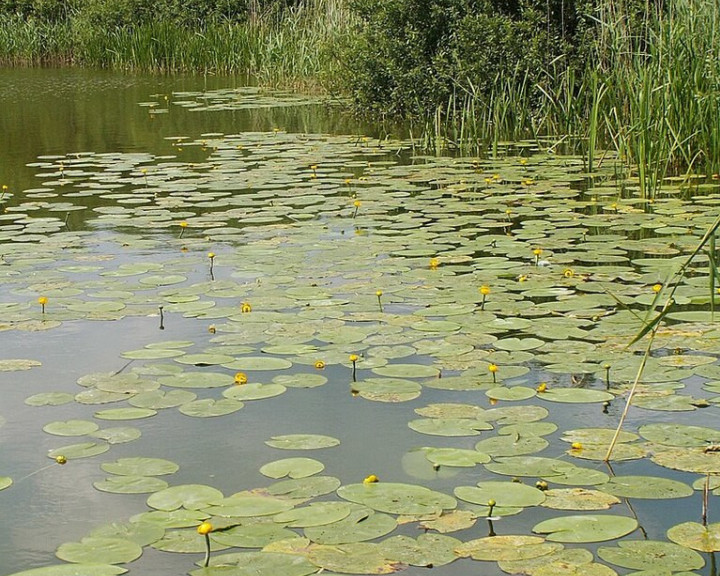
x=587 y=528
x=188 y=496
x=210 y=407
x=505 y=494
x=100 y=550
x=130 y=484
x=396 y=498
x=507 y=547
x=696 y=536
x=649 y=487
x=71 y=428
x=139 y=466
x=302 y=442
x=651 y=555
x=256 y=563
x=360 y=525
x=82 y=569
x=82 y=450
x=292 y=468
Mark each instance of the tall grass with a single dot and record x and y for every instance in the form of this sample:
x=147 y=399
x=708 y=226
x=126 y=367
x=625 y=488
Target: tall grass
x=296 y=48
x=650 y=91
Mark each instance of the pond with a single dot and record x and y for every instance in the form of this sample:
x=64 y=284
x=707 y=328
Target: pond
x=231 y=305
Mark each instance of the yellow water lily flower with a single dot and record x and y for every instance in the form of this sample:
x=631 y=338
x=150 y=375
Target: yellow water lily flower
x=484 y=289
x=434 y=263
x=576 y=446
x=61 y=459
x=656 y=288
x=205 y=528
x=212 y=329
x=493 y=368
x=241 y=378
x=245 y=307
x=371 y=479
x=354 y=358
x=319 y=364
x=211 y=255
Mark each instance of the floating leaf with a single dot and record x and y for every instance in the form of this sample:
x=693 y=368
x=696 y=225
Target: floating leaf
x=353 y=558
x=189 y=496
x=292 y=468
x=125 y=413
x=359 y=525
x=256 y=563
x=696 y=536
x=428 y=550
x=130 y=484
x=453 y=521
x=507 y=547
x=304 y=488
x=449 y=426
x=139 y=466
x=210 y=407
x=82 y=569
x=578 y=499
x=49 y=399
x=71 y=428
x=255 y=535
x=5 y=481
x=254 y=391
x=302 y=442
x=99 y=550
x=316 y=514
x=83 y=450
x=651 y=555
x=395 y=498
x=589 y=528
x=575 y=395
x=455 y=457
x=245 y=505
x=679 y=435
x=650 y=487
x=505 y=494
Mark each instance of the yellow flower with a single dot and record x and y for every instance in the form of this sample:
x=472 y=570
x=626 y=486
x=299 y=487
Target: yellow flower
x=212 y=329
x=371 y=479
x=319 y=364
x=357 y=203
x=354 y=358
x=537 y=251
x=569 y=273
x=241 y=378
x=313 y=167
x=378 y=293
x=205 y=528
x=61 y=459
x=541 y=387
x=245 y=307
x=42 y=300
x=493 y=368
x=484 y=289
x=522 y=278
x=576 y=446
x=434 y=263
x=211 y=255
x=491 y=503
x=183 y=224
x=656 y=288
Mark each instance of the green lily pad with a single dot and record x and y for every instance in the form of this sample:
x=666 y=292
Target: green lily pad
x=528 y=466
x=651 y=555
x=453 y=521
x=71 y=428
x=292 y=468
x=125 y=413
x=304 y=488
x=117 y=434
x=428 y=550
x=696 y=536
x=316 y=514
x=578 y=499
x=204 y=359
x=688 y=459
x=256 y=563
x=505 y=494
x=588 y=528
x=5 y=481
x=100 y=550
x=449 y=426
x=49 y=399
x=82 y=450
x=188 y=496
x=255 y=535
x=359 y=525
x=353 y=558
x=388 y=389
x=507 y=547
x=406 y=371
x=83 y=569
x=302 y=442
x=210 y=407
x=511 y=445
x=159 y=399
x=197 y=380
x=679 y=435
x=395 y=498
x=186 y=542
x=249 y=363
x=559 y=560
x=139 y=466
x=455 y=457
x=170 y=519
x=11 y=365
x=254 y=391
x=575 y=395
x=650 y=487
x=141 y=533
x=130 y=484
x=245 y=505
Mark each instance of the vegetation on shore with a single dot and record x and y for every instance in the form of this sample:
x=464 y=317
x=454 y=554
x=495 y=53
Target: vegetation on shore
x=641 y=77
